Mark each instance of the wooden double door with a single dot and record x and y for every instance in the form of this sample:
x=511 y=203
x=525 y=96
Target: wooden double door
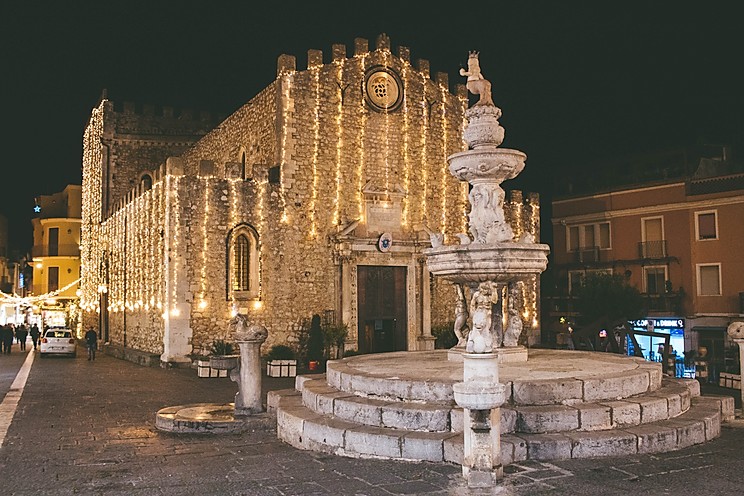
x=383 y=319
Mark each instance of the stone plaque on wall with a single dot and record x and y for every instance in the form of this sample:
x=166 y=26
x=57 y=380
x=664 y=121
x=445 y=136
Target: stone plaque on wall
x=383 y=216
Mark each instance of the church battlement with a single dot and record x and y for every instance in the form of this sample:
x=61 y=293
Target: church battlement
x=288 y=63
x=164 y=112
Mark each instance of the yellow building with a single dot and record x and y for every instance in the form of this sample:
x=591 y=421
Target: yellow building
x=56 y=253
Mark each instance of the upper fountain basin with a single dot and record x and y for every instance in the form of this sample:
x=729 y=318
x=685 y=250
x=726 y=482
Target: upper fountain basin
x=491 y=164
x=499 y=262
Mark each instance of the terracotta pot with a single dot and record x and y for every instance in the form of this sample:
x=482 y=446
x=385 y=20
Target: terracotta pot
x=313 y=365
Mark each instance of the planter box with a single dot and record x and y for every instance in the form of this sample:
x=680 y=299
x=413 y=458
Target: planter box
x=204 y=370
x=281 y=368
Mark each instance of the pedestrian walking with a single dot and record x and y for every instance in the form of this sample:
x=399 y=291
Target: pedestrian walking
x=7 y=338
x=34 y=335
x=21 y=335
x=91 y=339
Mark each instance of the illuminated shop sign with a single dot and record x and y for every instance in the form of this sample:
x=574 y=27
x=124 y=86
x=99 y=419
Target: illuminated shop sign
x=660 y=323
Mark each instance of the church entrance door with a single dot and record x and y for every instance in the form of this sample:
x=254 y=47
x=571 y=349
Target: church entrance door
x=383 y=319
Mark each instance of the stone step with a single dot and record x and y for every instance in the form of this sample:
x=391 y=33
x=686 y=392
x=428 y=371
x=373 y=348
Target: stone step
x=701 y=423
x=305 y=429
x=671 y=400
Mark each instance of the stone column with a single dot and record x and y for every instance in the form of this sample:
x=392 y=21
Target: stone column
x=425 y=339
x=248 y=373
x=736 y=333
x=481 y=395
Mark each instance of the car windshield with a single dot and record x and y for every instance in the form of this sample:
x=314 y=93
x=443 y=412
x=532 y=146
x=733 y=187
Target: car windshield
x=58 y=334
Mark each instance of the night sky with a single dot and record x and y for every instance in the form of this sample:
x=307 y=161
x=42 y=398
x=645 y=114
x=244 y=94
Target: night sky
x=578 y=82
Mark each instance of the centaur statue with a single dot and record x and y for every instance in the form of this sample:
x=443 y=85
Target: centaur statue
x=477 y=84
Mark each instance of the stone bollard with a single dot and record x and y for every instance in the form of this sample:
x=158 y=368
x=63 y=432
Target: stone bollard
x=248 y=373
x=481 y=395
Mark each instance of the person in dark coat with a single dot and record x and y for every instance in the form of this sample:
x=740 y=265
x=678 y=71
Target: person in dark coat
x=21 y=335
x=7 y=338
x=91 y=339
x=35 y=335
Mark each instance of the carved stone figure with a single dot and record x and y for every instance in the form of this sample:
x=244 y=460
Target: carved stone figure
x=245 y=331
x=514 y=321
x=480 y=338
x=487 y=222
x=461 y=317
x=477 y=84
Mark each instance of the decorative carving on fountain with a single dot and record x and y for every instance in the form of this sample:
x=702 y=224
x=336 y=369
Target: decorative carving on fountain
x=493 y=260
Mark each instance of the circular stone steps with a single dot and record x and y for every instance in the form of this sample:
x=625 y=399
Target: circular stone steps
x=406 y=412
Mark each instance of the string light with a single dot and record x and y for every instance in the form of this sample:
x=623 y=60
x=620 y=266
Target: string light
x=424 y=132
x=339 y=141
x=286 y=86
x=406 y=161
x=362 y=127
x=316 y=149
x=443 y=168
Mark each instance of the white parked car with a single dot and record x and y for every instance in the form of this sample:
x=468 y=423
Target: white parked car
x=58 y=341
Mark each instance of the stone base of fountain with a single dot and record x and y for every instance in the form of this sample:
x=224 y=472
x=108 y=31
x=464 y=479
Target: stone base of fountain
x=505 y=355
x=210 y=418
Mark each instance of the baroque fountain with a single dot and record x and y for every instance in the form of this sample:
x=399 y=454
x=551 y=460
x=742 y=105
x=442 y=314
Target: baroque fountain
x=490 y=264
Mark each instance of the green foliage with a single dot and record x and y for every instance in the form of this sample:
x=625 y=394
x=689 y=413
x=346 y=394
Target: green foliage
x=608 y=297
x=221 y=347
x=280 y=352
x=445 y=335
x=334 y=336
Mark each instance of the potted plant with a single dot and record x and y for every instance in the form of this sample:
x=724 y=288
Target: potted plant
x=334 y=337
x=315 y=344
x=281 y=361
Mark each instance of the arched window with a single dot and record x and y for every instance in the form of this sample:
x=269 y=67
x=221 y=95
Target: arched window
x=243 y=263
x=146 y=182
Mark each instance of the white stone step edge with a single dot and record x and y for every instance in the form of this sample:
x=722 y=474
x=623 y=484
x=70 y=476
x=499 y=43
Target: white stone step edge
x=307 y=430
x=671 y=400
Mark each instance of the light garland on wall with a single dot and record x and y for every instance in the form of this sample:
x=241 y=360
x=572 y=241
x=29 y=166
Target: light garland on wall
x=286 y=86
x=205 y=248
x=406 y=157
x=339 y=142
x=316 y=150
x=362 y=127
x=445 y=172
x=425 y=131
x=14 y=299
x=464 y=202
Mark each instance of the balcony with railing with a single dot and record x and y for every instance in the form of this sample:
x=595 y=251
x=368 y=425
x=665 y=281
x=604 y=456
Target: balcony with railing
x=587 y=255
x=65 y=250
x=653 y=249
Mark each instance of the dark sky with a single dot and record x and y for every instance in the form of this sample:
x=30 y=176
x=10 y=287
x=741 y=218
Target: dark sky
x=577 y=81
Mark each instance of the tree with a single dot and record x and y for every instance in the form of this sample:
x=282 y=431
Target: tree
x=607 y=297
x=315 y=340
x=605 y=301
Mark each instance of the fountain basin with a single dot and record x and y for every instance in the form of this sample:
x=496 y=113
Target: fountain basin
x=487 y=163
x=498 y=262
x=476 y=395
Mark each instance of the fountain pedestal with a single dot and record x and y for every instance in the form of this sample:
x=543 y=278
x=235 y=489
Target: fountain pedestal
x=481 y=395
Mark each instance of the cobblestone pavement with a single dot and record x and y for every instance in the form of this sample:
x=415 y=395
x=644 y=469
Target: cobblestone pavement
x=88 y=428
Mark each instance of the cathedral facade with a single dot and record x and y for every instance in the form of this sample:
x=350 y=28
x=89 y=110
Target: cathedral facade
x=318 y=196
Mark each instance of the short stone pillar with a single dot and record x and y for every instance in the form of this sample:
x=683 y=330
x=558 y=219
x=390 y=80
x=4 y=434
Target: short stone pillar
x=736 y=333
x=248 y=373
x=481 y=395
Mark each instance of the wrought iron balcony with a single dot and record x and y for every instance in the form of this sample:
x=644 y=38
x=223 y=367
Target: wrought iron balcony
x=652 y=249
x=67 y=250
x=587 y=255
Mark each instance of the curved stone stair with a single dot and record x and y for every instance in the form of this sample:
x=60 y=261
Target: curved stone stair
x=385 y=419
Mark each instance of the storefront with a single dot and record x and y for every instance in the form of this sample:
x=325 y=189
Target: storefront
x=650 y=336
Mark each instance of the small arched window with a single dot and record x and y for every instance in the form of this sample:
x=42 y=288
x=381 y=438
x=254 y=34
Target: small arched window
x=243 y=263
x=146 y=182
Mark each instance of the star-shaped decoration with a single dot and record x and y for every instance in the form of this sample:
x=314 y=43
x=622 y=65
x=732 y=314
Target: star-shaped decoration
x=37 y=209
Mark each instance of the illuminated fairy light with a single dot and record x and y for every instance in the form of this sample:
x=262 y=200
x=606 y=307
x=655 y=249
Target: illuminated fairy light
x=339 y=142
x=362 y=126
x=517 y=218
x=286 y=86
x=406 y=157
x=205 y=246
x=424 y=132
x=262 y=229
x=30 y=300
x=385 y=54
x=316 y=149
x=443 y=167
x=464 y=202
x=233 y=224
